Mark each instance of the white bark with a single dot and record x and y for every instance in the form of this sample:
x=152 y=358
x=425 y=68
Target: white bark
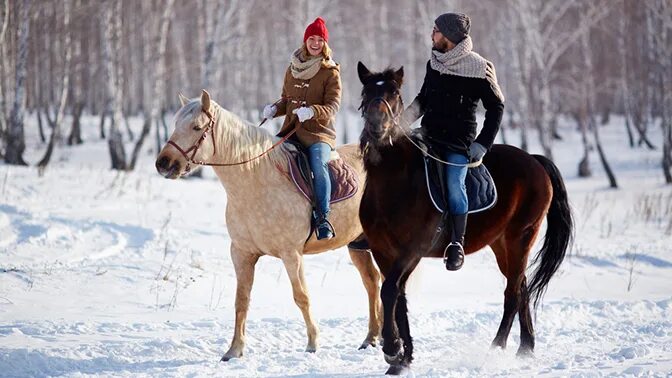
x=110 y=52
x=158 y=77
x=65 y=86
x=15 y=136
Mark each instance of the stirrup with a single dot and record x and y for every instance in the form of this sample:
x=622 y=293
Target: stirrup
x=322 y=224
x=445 y=250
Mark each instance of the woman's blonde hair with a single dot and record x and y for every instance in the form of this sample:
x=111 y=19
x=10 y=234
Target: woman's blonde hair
x=326 y=51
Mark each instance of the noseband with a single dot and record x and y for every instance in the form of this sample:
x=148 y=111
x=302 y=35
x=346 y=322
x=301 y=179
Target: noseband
x=394 y=116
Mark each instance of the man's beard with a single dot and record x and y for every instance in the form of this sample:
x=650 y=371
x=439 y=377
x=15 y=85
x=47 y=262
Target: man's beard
x=441 y=46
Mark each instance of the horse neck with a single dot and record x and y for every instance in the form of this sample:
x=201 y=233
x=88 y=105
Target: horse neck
x=395 y=160
x=236 y=142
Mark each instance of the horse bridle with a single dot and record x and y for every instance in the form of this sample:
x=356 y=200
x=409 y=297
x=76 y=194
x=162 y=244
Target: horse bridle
x=395 y=122
x=210 y=128
x=194 y=147
x=389 y=112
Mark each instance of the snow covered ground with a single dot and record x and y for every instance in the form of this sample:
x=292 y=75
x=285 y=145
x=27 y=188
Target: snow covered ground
x=128 y=274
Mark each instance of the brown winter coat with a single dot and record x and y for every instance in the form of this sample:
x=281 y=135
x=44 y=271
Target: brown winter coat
x=323 y=94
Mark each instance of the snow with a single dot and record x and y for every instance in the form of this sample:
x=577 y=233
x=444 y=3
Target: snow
x=128 y=274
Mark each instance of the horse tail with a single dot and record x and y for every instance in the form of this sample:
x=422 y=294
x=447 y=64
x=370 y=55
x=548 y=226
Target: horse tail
x=559 y=233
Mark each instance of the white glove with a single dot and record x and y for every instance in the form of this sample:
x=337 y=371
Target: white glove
x=269 y=111
x=303 y=113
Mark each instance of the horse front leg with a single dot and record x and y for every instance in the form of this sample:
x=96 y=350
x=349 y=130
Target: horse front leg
x=401 y=317
x=371 y=278
x=294 y=265
x=243 y=264
x=389 y=294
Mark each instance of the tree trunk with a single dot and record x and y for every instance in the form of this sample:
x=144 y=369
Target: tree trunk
x=158 y=79
x=127 y=123
x=590 y=94
x=3 y=57
x=16 y=143
x=75 y=136
x=65 y=86
x=102 y=122
x=40 y=125
x=603 y=159
x=110 y=56
x=584 y=164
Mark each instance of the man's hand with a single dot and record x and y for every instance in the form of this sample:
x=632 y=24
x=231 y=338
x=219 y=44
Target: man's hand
x=477 y=151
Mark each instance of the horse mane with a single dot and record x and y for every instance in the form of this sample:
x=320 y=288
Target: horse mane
x=240 y=139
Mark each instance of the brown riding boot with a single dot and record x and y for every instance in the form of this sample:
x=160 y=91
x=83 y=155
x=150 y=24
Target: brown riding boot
x=453 y=255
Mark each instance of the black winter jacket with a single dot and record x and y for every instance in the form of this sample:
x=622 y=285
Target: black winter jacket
x=449 y=102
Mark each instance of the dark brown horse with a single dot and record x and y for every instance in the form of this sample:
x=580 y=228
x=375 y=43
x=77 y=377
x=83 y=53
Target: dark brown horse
x=399 y=219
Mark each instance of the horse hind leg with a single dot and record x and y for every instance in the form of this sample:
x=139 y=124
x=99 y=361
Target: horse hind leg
x=513 y=272
x=363 y=261
x=525 y=318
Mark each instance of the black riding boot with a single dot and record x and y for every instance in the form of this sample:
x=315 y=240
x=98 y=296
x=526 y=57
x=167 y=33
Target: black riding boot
x=453 y=255
x=442 y=235
x=324 y=229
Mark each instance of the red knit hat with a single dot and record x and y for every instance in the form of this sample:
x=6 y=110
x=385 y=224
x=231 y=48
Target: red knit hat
x=317 y=28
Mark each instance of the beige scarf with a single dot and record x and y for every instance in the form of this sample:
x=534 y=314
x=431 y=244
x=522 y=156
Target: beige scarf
x=305 y=69
x=462 y=61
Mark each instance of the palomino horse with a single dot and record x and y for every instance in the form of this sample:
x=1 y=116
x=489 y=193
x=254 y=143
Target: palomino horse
x=265 y=213
x=399 y=220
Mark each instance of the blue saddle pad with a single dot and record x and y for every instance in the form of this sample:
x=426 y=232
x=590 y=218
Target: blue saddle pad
x=481 y=190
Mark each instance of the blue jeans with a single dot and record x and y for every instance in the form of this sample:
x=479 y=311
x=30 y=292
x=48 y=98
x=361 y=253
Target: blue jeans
x=455 y=183
x=318 y=155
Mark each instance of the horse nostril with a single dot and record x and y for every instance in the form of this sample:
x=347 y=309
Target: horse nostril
x=162 y=163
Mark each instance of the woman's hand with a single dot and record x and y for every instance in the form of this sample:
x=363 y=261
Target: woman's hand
x=269 y=111
x=304 y=113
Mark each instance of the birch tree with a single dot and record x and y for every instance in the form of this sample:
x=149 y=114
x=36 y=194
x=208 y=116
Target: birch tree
x=4 y=22
x=16 y=143
x=112 y=24
x=158 y=77
x=65 y=87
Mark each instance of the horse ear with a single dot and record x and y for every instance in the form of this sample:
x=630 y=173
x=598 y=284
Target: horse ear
x=183 y=100
x=205 y=100
x=399 y=76
x=363 y=72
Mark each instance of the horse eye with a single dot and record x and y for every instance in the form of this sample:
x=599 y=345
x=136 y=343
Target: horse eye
x=197 y=127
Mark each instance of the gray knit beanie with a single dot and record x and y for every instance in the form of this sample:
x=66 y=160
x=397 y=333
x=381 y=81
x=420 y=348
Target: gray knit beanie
x=454 y=26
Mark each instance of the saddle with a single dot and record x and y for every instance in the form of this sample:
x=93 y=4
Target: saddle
x=344 y=181
x=481 y=190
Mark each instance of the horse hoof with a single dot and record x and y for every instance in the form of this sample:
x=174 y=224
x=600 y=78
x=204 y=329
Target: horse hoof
x=525 y=353
x=227 y=358
x=231 y=355
x=368 y=343
x=498 y=345
x=396 y=370
x=393 y=360
x=311 y=349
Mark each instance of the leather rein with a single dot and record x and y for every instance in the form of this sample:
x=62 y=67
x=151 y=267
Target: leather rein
x=210 y=129
x=395 y=116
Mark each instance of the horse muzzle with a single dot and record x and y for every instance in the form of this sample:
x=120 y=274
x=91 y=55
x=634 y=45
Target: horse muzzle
x=168 y=168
